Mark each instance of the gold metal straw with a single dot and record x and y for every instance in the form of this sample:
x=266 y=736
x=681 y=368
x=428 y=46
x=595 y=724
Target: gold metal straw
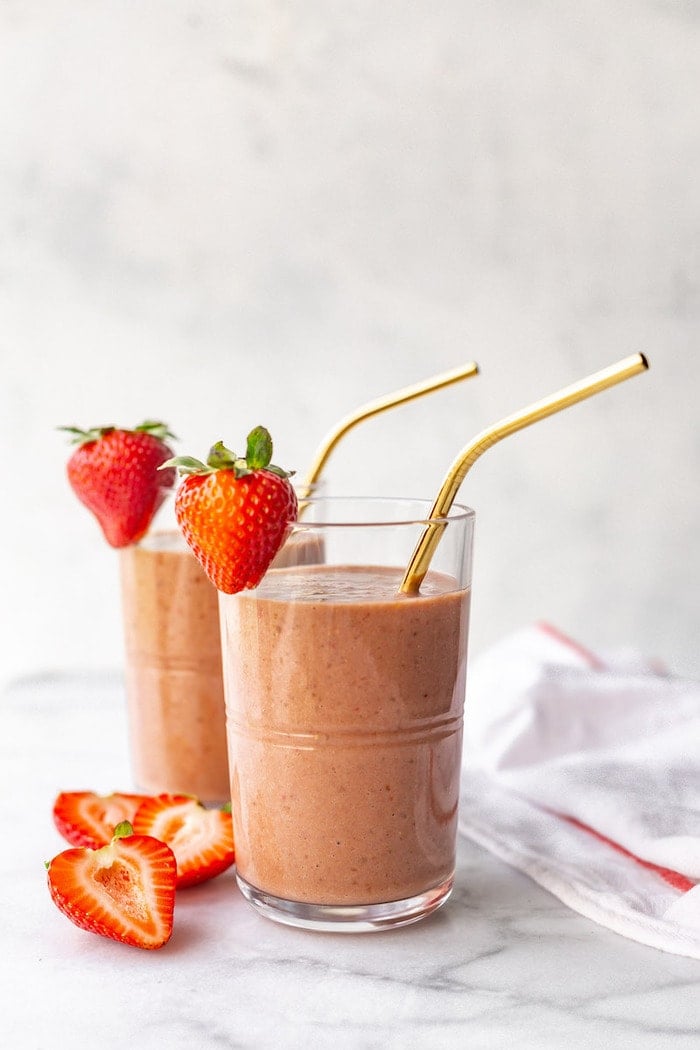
x=373 y=408
x=425 y=548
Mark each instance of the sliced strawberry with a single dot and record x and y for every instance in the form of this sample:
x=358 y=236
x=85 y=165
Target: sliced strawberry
x=201 y=839
x=86 y=819
x=125 y=890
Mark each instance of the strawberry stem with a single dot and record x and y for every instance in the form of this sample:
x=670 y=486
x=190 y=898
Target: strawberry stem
x=123 y=830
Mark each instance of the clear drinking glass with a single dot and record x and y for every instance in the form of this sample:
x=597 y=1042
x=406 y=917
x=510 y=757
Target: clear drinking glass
x=174 y=685
x=344 y=707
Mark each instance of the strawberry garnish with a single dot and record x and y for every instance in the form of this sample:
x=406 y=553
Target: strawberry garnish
x=87 y=819
x=235 y=512
x=201 y=839
x=125 y=890
x=115 y=474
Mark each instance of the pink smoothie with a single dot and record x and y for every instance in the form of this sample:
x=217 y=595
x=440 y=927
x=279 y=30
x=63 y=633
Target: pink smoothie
x=345 y=725
x=174 y=682
x=173 y=670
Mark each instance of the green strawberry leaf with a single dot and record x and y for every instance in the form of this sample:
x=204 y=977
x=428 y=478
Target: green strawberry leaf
x=259 y=448
x=220 y=457
x=75 y=431
x=258 y=455
x=280 y=472
x=186 y=465
x=82 y=437
x=150 y=426
x=156 y=429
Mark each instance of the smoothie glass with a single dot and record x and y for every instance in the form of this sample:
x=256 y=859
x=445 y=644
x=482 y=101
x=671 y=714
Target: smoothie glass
x=174 y=684
x=344 y=705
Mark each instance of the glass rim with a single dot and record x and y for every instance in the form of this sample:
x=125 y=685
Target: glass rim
x=457 y=512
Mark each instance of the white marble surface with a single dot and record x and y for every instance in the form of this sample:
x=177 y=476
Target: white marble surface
x=502 y=965
x=228 y=212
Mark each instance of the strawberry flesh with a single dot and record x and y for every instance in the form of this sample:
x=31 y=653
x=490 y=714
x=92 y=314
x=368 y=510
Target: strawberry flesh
x=200 y=838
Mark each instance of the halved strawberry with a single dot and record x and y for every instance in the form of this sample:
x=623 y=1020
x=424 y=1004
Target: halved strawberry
x=86 y=819
x=201 y=839
x=125 y=890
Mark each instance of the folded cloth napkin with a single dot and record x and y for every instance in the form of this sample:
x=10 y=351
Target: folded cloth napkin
x=584 y=773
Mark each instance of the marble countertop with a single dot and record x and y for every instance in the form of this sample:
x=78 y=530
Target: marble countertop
x=503 y=964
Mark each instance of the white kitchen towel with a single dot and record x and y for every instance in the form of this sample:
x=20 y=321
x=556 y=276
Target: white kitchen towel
x=584 y=773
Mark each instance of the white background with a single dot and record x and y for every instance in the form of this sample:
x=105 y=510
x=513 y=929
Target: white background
x=232 y=213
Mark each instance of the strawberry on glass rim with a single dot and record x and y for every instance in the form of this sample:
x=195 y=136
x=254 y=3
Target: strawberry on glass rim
x=234 y=512
x=114 y=473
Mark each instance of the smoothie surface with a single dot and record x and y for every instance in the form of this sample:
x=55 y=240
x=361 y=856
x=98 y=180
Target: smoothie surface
x=346 y=584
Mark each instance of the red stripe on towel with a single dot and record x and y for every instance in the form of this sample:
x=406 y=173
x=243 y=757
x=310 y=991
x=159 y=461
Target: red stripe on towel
x=591 y=659
x=673 y=878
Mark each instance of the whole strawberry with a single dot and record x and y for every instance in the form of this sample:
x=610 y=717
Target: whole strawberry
x=115 y=474
x=234 y=512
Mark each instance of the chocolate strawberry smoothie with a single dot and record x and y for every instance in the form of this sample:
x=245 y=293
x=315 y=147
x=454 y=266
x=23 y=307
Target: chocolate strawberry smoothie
x=173 y=673
x=344 y=706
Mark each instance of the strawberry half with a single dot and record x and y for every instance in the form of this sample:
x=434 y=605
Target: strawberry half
x=125 y=890
x=115 y=474
x=86 y=819
x=201 y=839
x=235 y=512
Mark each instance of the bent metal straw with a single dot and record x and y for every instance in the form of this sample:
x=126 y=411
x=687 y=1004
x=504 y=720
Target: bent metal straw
x=373 y=408
x=594 y=384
